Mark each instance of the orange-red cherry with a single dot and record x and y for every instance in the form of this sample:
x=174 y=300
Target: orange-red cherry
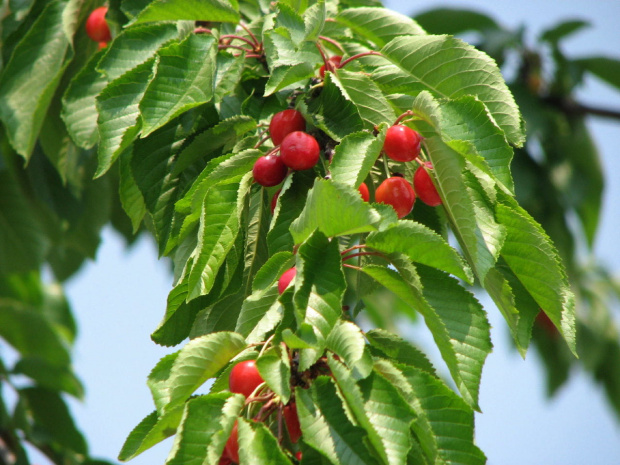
x=398 y=193
x=97 y=27
x=244 y=378
x=286 y=279
x=299 y=151
x=364 y=192
x=402 y=143
x=332 y=64
x=285 y=122
x=424 y=187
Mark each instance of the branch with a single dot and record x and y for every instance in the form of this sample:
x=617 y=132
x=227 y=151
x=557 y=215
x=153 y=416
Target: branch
x=572 y=107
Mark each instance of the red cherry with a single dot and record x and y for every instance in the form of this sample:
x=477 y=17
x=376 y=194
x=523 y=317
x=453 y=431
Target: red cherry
x=298 y=455
x=102 y=45
x=424 y=187
x=269 y=170
x=398 y=193
x=231 y=449
x=402 y=143
x=285 y=122
x=286 y=279
x=299 y=151
x=274 y=200
x=97 y=27
x=244 y=378
x=332 y=64
x=364 y=191
x=224 y=459
x=292 y=422
x=543 y=321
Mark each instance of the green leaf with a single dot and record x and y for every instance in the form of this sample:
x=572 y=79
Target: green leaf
x=319 y=290
x=451 y=68
x=281 y=50
x=129 y=193
x=184 y=79
x=224 y=134
x=347 y=341
x=455 y=21
x=399 y=350
x=421 y=245
x=50 y=376
x=314 y=21
x=326 y=427
x=258 y=446
x=158 y=381
x=379 y=25
x=31 y=333
x=150 y=431
x=335 y=210
x=532 y=258
x=118 y=107
x=563 y=30
x=200 y=360
x=174 y=10
x=205 y=427
x=23 y=244
x=52 y=416
x=219 y=225
x=454 y=317
x=370 y=102
x=355 y=156
x=275 y=368
x=286 y=75
x=605 y=68
x=31 y=77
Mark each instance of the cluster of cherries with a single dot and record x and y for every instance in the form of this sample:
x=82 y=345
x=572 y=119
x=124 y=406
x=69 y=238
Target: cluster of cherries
x=97 y=27
x=300 y=151
x=245 y=379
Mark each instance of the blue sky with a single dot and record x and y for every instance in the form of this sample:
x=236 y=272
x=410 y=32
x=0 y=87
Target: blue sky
x=120 y=299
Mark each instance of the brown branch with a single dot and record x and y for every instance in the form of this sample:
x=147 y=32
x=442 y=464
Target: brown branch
x=572 y=107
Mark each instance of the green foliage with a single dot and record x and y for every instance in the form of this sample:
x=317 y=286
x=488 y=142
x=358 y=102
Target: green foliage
x=166 y=122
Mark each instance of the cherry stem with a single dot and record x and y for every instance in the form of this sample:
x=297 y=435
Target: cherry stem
x=247 y=29
x=352 y=267
x=265 y=345
x=280 y=435
x=360 y=254
x=403 y=116
x=265 y=410
x=333 y=42
x=359 y=55
x=325 y=60
x=260 y=142
x=202 y=30
x=386 y=167
x=223 y=47
x=351 y=249
x=247 y=41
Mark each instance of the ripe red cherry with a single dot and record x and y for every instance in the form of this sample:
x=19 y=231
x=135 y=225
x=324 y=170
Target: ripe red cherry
x=244 y=378
x=274 y=200
x=364 y=191
x=402 y=143
x=292 y=422
x=269 y=170
x=97 y=27
x=285 y=122
x=299 y=151
x=544 y=322
x=286 y=279
x=398 y=193
x=231 y=449
x=424 y=187
x=333 y=63
x=298 y=455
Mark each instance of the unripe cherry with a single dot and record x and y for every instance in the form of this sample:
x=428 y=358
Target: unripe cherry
x=398 y=193
x=424 y=187
x=269 y=170
x=402 y=143
x=285 y=122
x=299 y=151
x=286 y=279
x=97 y=27
x=364 y=192
x=333 y=63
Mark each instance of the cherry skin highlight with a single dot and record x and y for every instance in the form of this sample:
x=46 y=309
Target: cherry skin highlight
x=364 y=192
x=398 y=193
x=292 y=422
x=231 y=449
x=402 y=143
x=333 y=64
x=286 y=279
x=269 y=170
x=299 y=151
x=244 y=378
x=97 y=27
x=285 y=122
x=424 y=187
